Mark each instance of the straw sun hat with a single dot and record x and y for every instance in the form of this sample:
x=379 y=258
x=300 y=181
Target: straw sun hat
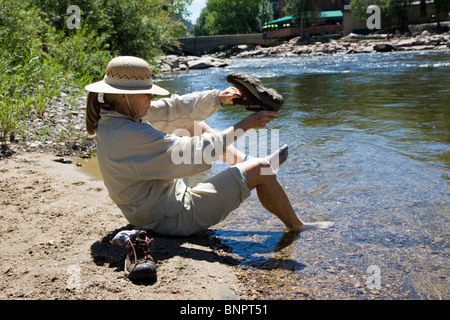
x=127 y=75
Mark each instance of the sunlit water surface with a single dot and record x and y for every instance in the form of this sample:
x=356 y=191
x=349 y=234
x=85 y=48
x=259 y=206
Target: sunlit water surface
x=369 y=148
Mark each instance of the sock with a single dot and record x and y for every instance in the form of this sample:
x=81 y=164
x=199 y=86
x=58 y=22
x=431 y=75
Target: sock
x=122 y=237
x=282 y=155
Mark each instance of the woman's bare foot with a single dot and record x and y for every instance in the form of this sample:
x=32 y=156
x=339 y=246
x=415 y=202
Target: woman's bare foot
x=320 y=225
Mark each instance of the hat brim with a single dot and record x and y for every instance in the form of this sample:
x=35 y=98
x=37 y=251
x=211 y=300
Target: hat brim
x=103 y=87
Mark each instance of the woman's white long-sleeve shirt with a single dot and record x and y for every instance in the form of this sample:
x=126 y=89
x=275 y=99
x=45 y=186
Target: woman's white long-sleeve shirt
x=180 y=112
x=142 y=164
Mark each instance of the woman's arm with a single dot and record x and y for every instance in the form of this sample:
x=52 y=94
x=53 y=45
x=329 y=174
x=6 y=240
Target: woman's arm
x=256 y=120
x=180 y=112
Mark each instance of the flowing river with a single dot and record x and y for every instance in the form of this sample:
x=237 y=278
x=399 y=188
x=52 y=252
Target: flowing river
x=369 y=148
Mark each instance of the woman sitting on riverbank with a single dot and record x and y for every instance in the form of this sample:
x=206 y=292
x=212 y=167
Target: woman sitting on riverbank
x=137 y=160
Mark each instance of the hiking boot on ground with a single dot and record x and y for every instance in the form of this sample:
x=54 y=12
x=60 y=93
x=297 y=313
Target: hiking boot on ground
x=255 y=97
x=139 y=263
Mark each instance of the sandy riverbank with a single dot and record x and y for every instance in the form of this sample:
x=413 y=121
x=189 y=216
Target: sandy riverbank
x=54 y=242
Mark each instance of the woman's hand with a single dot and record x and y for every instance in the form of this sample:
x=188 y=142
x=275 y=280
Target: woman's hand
x=226 y=96
x=258 y=120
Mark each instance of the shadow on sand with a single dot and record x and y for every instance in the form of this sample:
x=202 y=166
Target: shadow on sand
x=166 y=247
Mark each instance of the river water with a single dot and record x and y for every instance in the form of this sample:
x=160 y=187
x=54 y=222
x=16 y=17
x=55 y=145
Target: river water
x=369 y=148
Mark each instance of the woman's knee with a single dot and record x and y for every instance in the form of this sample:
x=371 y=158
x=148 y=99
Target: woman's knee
x=196 y=130
x=258 y=171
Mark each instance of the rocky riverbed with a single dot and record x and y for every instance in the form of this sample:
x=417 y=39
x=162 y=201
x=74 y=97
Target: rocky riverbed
x=184 y=63
x=351 y=44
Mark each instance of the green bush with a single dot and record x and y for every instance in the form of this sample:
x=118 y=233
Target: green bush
x=234 y=17
x=19 y=62
x=39 y=54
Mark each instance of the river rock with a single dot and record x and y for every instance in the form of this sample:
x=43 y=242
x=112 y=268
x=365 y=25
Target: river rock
x=173 y=64
x=199 y=64
x=436 y=41
x=405 y=43
x=164 y=67
x=384 y=47
x=420 y=42
x=205 y=63
x=183 y=67
x=367 y=49
x=182 y=63
x=302 y=50
x=425 y=47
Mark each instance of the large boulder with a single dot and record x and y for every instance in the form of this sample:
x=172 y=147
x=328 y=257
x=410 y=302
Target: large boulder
x=384 y=47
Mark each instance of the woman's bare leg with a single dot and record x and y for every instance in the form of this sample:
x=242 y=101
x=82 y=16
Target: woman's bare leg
x=273 y=197
x=232 y=155
x=270 y=192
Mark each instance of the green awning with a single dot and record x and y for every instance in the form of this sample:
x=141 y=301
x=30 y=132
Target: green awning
x=284 y=19
x=323 y=14
x=331 y=14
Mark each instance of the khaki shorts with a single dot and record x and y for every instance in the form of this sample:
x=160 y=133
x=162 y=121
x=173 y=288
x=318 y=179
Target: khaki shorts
x=208 y=203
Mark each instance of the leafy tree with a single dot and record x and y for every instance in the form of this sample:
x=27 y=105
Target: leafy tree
x=39 y=54
x=398 y=11
x=359 y=9
x=266 y=12
x=303 y=11
x=441 y=6
x=128 y=27
x=233 y=17
x=394 y=12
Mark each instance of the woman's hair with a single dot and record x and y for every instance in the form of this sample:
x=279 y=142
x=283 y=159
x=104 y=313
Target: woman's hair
x=93 y=106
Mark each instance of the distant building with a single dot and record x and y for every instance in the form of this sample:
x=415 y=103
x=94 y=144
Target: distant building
x=336 y=18
x=327 y=22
